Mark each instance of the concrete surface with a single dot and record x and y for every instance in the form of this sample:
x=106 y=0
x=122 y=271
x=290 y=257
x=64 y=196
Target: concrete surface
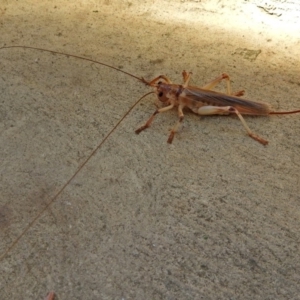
x=215 y=215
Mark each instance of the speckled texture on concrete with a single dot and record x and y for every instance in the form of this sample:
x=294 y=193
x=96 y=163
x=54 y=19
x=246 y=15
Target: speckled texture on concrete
x=215 y=215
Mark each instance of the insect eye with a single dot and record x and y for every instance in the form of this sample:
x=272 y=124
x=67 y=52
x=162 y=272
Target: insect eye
x=159 y=82
x=160 y=94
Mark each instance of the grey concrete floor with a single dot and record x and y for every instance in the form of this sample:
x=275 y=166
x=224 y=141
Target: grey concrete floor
x=215 y=215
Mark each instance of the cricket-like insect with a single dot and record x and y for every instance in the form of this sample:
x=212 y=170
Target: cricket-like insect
x=202 y=101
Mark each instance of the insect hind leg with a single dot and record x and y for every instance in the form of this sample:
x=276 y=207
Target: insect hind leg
x=225 y=110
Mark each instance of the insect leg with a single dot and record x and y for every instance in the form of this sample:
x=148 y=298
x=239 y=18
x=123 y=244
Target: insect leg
x=154 y=81
x=225 y=110
x=214 y=82
x=186 y=78
x=148 y=123
x=179 y=122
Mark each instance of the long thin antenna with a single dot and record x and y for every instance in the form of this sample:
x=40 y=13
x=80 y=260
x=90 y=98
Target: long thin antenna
x=76 y=56
x=30 y=224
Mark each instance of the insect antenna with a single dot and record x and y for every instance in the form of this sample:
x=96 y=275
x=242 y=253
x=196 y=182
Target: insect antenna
x=80 y=57
x=3 y=255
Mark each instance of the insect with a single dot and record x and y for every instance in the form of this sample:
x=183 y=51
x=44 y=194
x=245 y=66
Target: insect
x=202 y=101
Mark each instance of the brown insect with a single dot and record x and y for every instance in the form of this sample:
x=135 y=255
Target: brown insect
x=202 y=101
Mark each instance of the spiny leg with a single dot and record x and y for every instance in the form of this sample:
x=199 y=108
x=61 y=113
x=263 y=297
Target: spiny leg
x=150 y=120
x=214 y=82
x=250 y=133
x=225 y=110
x=179 y=122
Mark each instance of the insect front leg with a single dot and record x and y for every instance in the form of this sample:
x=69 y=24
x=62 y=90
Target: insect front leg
x=225 y=110
x=175 y=128
x=214 y=82
x=148 y=123
x=156 y=79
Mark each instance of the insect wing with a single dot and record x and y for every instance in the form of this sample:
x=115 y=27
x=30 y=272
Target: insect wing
x=200 y=97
